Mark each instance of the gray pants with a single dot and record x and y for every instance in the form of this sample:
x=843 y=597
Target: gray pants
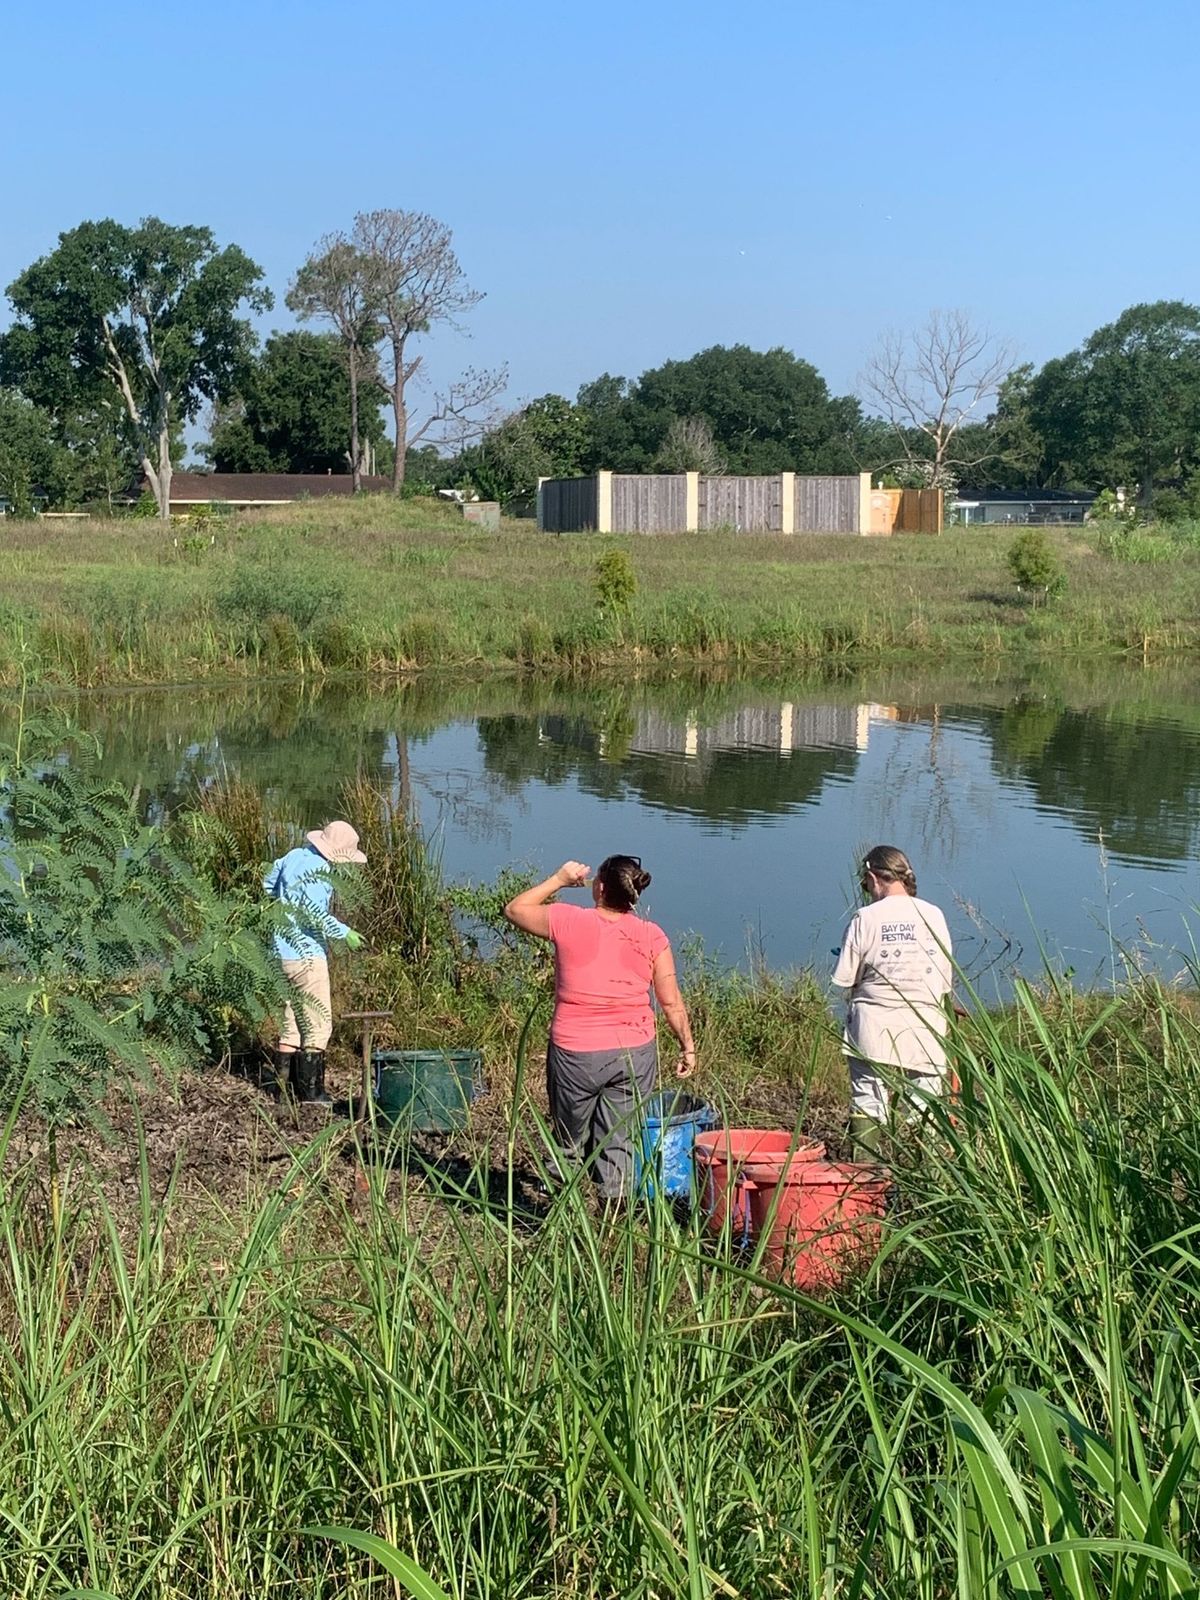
x=595 y=1108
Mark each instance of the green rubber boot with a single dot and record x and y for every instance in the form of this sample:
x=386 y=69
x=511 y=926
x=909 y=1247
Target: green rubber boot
x=866 y=1137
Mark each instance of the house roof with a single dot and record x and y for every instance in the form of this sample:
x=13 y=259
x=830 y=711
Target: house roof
x=263 y=488
x=1024 y=497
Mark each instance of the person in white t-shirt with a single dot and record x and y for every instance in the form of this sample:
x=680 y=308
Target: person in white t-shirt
x=895 y=961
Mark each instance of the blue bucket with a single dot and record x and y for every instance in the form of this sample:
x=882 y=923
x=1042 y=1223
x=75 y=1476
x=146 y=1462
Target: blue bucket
x=663 y=1164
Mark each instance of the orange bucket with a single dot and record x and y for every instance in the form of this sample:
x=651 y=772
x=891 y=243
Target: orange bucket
x=820 y=1218
x=722 y=1179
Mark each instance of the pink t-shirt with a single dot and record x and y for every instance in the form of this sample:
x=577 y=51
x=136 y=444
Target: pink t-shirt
x=603 y=969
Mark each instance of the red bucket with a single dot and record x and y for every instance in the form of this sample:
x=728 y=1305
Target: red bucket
x=722 y=1180
x=821 y=1218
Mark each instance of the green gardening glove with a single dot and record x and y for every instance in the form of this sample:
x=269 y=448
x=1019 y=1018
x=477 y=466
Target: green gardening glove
x=354 y=941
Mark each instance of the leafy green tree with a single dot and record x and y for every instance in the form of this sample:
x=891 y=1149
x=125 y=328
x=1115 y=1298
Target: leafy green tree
x=147 y=317
x=1181 y=504
x=1125 y=407
x=561 y=430
x=427 y=470
x=1018 y=449
x=506 y=463
x=614 y=432
x=292 y=409
x=768 y=410
x=31 y=459
x=548 y=438
x=103 y=461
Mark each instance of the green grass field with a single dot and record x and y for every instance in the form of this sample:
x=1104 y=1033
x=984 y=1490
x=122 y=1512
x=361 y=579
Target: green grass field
x=377 y=585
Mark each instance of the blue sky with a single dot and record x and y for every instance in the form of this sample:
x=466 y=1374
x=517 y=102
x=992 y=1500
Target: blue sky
x=631 y=182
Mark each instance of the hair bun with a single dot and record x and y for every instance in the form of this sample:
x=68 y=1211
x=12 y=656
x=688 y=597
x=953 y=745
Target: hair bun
x=622 y=879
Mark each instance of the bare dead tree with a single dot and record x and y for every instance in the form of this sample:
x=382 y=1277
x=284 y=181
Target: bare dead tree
x=464 y=411
x=689 y=446
x=931 y=382
x=336 y=285
x=418 y=282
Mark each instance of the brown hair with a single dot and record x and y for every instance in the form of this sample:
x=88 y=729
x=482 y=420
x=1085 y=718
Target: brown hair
x=892 y=865
x=622 y=879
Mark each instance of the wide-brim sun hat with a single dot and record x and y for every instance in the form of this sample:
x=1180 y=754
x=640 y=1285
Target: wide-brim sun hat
x=338 y=843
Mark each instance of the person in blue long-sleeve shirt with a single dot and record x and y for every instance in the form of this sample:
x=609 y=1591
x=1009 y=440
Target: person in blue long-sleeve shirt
x=301 y=881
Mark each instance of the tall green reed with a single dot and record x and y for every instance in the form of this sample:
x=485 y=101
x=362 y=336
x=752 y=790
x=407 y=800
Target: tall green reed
x=524 y=1398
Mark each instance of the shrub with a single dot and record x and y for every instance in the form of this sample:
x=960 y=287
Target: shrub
x=1181 y=504
x=145 y=505
x=281 y=641
x=616 y=581
x=421 y=639
x=116 y=952
x=1034 y=564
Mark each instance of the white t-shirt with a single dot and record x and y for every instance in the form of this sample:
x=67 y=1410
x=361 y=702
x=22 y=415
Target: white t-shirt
x=895 y=961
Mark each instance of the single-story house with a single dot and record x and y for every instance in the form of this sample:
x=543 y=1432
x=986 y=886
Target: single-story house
x=191 y=489
x=1021 y=505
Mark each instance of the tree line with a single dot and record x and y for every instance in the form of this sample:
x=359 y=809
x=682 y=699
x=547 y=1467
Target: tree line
x=124 y=337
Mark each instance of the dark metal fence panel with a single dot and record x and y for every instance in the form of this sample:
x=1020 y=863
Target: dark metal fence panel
x=569 y=505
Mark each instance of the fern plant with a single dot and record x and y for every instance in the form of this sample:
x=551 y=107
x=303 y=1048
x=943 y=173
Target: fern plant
x=114 y=952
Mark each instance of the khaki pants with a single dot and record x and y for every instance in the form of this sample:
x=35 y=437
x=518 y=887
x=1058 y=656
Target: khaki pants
x=310 y=1030
x=873 y=1096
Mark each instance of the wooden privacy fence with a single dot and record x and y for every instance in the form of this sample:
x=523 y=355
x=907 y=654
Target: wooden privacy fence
x=741 y=504
x=652 y=502
x=829 y=505
x=780 y=502
x=906 y=511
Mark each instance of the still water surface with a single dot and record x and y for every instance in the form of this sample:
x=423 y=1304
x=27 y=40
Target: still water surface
x=1054 y=818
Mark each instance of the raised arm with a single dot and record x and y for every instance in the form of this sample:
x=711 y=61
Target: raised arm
x=666 y=992
x=529 y=911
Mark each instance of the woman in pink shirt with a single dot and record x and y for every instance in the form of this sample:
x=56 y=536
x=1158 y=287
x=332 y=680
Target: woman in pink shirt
x=603 y=1056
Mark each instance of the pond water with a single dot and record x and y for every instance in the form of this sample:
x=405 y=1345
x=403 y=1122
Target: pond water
x=1055 y=816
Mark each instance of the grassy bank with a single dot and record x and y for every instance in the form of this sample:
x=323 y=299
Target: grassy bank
x=381 y=586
